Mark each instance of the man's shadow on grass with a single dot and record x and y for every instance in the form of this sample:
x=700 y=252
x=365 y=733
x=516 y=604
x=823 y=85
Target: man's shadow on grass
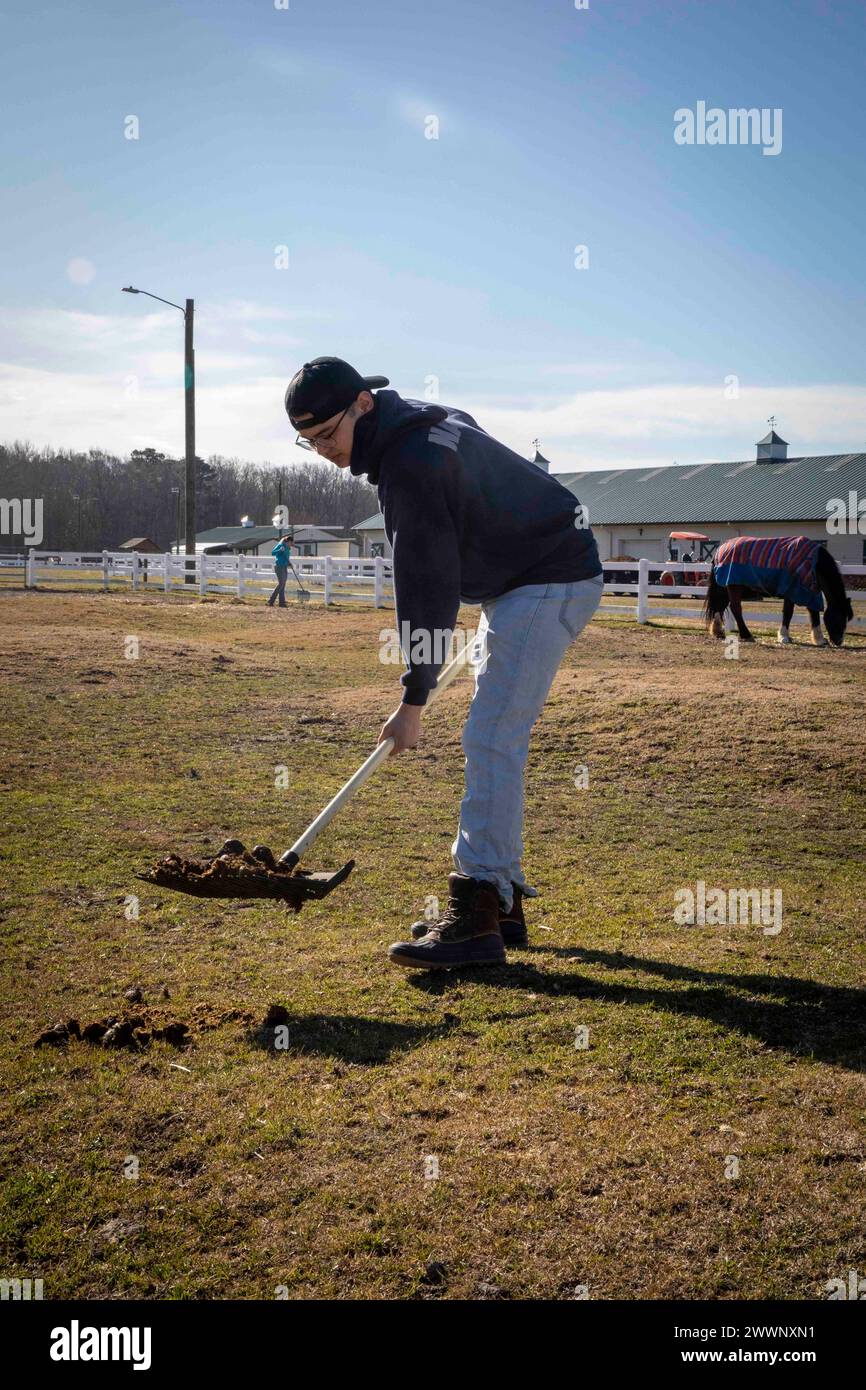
x=347 y=1037
x=826 y=1023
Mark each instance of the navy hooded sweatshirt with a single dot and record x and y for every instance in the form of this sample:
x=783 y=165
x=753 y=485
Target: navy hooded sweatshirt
x=467 y=518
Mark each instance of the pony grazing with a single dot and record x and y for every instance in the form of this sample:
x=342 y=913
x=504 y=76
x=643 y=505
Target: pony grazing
x=795 y=569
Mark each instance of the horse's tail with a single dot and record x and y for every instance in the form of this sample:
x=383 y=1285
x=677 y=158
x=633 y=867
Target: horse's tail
x=717 y=599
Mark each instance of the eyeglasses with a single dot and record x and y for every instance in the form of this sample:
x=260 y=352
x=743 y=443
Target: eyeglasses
x=321 y=438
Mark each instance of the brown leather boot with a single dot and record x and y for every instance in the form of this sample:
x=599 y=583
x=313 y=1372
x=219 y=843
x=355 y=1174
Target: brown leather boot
x=512 y=924
x=467 y=933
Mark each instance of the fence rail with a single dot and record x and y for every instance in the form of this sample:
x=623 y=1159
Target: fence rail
x=644 y=589
x=327 y=577
x=365 y=581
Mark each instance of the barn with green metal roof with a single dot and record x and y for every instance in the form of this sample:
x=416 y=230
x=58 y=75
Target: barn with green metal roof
x=632 y=511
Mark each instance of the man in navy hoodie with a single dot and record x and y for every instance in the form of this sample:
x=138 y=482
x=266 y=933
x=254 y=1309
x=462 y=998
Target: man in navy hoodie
x=471 y=521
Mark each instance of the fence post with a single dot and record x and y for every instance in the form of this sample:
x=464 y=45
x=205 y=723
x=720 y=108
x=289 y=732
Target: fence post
x=166 y=572
x=135 y=569
x=105 y=569
x=329 y=566
x=30 y=572
x=378 y=566
x=642 y=596
x=202 y=574
x=241 y=564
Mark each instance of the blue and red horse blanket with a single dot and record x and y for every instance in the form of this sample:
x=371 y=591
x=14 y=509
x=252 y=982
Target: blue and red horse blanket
x=781 y=566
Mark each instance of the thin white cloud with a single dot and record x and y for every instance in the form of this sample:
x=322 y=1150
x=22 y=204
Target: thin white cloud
x=243 y=416
x=589 y=368
x=119 y=412
x=61 y=331
x=248 y=311
x=416 y=112
x=325 y=70
x=61 y=336
x=166 y=366
x=658 y=424
x=111 y=381
x=148 y=346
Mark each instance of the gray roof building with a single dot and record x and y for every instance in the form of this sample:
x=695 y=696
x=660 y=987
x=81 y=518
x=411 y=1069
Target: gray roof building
x=751 y=490
x=633 y=510
x=237 y=537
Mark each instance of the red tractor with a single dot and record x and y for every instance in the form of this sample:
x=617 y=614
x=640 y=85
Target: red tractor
x=684 y=546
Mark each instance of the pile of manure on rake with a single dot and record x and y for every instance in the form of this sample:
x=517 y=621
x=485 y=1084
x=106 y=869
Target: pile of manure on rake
x=236 y=872
x=240 y=873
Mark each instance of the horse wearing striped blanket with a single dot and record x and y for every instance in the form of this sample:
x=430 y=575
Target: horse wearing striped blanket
x=796 y=569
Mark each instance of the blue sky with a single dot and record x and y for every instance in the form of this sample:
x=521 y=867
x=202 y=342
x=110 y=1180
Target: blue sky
x=445 y=263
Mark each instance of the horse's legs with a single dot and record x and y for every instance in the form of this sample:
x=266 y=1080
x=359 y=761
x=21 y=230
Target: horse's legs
x=715 y=604
x=817 y=635
x=787 y=615
x=735 y=597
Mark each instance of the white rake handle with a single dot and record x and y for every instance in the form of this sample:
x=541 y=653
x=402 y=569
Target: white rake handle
x=367 y=768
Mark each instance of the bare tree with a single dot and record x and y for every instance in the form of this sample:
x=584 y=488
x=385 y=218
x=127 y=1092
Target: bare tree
x=116 y=498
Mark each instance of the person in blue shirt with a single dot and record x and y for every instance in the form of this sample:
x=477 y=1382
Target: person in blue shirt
x=281 y=553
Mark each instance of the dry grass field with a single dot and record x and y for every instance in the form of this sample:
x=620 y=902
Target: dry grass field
x=224 y=1168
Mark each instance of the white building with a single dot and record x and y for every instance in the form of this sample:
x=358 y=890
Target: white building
x=260 y=540
x=633 y=511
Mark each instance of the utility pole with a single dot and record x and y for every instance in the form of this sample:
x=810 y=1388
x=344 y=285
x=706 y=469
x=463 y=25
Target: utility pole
x=277 y=518
x=189 y=424
x=189 y=418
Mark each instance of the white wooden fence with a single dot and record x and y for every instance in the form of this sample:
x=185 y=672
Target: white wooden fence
x=326 y=577
x=645 y=591
x=370 y=581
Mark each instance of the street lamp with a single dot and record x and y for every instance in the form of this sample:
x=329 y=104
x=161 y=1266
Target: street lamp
x=189 y=410
x=76 y=497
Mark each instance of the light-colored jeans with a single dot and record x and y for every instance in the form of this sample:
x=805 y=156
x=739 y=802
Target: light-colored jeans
x=525 y=634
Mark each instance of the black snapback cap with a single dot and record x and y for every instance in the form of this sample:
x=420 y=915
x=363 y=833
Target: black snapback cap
x=323 y=388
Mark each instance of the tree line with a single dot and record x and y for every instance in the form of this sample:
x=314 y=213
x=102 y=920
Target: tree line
x=95 y=501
